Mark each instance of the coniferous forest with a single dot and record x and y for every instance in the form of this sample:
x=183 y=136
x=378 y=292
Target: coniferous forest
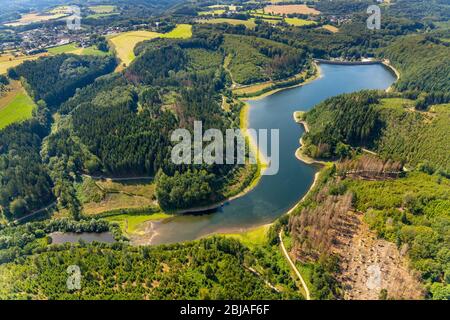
x=94 y=157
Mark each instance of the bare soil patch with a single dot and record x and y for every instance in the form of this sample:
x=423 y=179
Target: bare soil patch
x=369 y=265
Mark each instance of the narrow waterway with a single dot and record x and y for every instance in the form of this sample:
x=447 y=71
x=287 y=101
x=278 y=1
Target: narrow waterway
x=274 y=195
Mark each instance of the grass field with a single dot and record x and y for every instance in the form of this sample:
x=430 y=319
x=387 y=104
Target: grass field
x=124 y=43
x=100 y=196
x=102 y=9
x=15 y=106
x=291 y=8
x=73 y=48
x=212 y=12
x=115 y=201
x=144 y=188
x=181 y=31
x=248 y=23
x=129 y=223
x=298 y=22
x=251 y=238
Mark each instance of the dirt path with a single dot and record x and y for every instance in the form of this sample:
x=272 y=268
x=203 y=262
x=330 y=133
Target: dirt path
x=35 y=212
x=305 y=287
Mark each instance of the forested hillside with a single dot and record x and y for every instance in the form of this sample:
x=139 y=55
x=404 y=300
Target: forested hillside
x=55 y=79
x=25 y=184
x=253 y=59
x=423 y=61
x=379 y=121
x=209 y=269
x=97 y=152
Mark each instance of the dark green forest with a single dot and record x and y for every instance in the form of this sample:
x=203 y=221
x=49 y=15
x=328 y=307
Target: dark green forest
x=92 y=121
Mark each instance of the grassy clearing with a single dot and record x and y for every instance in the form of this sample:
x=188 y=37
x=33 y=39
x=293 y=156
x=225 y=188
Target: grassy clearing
x=124 y=43
x=130 y=223
x=251 y=238
x=106 y=195
x=250 y=24
x=15 y=106
x=142 y=188
x=115 y=201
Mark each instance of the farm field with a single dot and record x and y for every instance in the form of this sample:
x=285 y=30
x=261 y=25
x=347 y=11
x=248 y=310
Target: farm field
x=15 y=105
x=124 y=43
x=299 y=22
x=330 y=28
x=290 y=8
x=8 y=60
x=181 y=31
x=102 y=9
x=73 y=48
x=212 y=12
x=59 y=10
x=248 y=23
x=33 y=18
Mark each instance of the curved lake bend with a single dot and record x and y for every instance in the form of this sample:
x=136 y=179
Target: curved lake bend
x=274 y=195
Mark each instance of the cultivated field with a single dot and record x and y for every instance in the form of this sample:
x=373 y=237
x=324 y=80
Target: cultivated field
x=102 y=9
x=298 y=22
x=124 y=43
x=35 y=17
x=74 y=49
x=290 y=8
x=8 y=60
x=15 y=105
x=212 y=12
x=330 y=28
x=248 y=23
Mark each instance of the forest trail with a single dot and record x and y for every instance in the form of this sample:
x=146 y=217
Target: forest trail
x=305 y=287
x=35 y=212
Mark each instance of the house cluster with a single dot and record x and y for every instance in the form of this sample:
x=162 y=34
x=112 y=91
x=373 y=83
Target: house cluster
x=38 y=40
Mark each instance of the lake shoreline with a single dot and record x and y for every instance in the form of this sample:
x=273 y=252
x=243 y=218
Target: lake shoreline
x=299 y=152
